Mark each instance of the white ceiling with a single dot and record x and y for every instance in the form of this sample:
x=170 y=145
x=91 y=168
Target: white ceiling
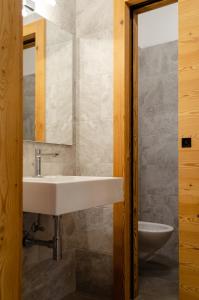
x=158 y=26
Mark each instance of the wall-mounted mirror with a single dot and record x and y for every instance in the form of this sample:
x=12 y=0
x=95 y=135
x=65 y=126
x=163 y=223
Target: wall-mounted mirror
x=48 y=71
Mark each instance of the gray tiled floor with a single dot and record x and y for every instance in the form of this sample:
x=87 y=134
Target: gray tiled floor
x=158 y=280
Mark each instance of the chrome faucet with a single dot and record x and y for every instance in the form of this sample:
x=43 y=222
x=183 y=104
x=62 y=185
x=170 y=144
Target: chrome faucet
x=38 y=156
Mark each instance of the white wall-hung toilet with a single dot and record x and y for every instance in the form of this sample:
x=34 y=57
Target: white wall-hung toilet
x=152 y=237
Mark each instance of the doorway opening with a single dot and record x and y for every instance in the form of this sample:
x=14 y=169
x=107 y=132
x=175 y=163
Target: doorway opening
x=155 y=151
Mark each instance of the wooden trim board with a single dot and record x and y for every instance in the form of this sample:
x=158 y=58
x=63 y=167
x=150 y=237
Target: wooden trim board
x=37 y=30
x=134 y=136
x=10 y=149
x=121 y=256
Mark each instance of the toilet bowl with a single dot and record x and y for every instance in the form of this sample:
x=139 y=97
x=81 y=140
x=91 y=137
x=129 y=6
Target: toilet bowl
x=152 y=237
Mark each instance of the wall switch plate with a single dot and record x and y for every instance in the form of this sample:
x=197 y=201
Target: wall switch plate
x=186 y=142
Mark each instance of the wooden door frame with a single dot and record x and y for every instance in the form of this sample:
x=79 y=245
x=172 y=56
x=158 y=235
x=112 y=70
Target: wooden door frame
x=126 y=114
x=37 y=30
x=10 y=149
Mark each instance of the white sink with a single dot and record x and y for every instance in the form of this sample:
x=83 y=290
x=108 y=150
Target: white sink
x=58 y=195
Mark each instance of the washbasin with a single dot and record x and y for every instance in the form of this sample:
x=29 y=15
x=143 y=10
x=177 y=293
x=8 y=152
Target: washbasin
x=58 y=195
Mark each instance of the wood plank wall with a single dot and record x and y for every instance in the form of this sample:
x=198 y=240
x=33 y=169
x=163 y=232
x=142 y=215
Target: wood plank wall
x=10 y=149
x=189 y=157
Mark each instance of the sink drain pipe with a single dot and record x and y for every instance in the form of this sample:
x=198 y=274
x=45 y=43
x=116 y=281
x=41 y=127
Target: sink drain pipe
x=55 y=244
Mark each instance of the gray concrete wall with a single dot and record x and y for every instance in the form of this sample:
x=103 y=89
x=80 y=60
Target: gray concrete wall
x=29 y=107
x=59 y=84
x=94 y=139
x=87 y=235
x=158 y=139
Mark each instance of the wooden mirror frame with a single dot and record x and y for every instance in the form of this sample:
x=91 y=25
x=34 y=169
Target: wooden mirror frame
x=34 y=34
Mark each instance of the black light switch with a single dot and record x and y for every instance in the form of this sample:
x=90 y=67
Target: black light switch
x=186 y=142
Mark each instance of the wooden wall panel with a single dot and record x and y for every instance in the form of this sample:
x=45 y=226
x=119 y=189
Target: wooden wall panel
x=122 y=148
x=10 y=149
x=189 y=158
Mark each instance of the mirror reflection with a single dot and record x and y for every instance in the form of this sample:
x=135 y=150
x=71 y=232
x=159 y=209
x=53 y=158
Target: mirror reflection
x=29 y=93
x=47 y=72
